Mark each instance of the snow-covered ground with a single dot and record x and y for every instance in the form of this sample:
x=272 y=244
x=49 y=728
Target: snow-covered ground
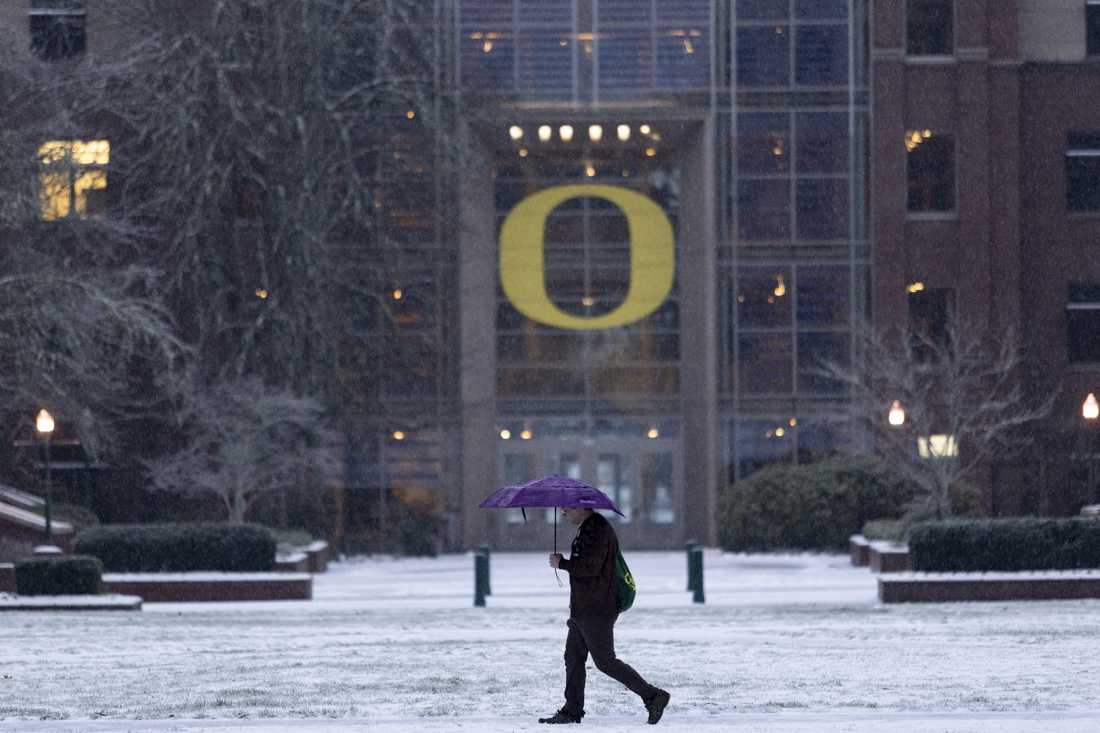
x=784 y=643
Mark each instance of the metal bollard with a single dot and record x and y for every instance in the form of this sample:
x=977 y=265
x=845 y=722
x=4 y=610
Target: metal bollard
x=484 y=550
x=688 y=547
x=481 y=577
x=697 y=574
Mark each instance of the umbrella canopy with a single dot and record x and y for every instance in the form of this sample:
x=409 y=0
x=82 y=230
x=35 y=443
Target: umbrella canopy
x=550 y=491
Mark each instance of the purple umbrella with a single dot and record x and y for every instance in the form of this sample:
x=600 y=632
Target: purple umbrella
x=550 y=491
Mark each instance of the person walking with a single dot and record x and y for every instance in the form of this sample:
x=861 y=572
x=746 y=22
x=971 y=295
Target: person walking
x=593 y=611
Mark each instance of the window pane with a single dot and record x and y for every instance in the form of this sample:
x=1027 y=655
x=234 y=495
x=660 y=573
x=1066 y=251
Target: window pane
x=821 y=8
x=763 y=297
x=626 y=59
x=822 y=55
x=761 y=443
x=683 y=58
x=816 y=350
x=1083 y=323
x=823 y=295
x=929 y=310
x=657 y=487
x=487 y=60
x=544 y=63
x=823 y=437
x=763 y=9
x=931 y=172
x=764 y=209
x=763 y=143
x=929 y=28
x=762 y=57
x=518 y=469
x=514 y=382
x=823 y=142
x=823 y=208
x=1083 y=334
x=1083 y=171
x=1092 y=29
x=764 y=363
x=57 y=36
x=613 y=479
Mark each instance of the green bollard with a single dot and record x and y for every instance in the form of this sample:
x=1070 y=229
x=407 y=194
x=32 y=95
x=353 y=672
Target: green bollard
x=484 y=550
x=688 y=547
x=481 y=576
x=697 y=573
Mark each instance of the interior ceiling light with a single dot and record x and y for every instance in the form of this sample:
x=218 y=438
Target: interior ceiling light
x=595 y=133
x=623 y=132
x=566 y=132
x=545 y=132
x=645 y=129
x=516 y=132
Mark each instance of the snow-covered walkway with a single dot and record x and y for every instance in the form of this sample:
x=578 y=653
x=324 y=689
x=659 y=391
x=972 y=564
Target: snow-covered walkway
x=784 y=643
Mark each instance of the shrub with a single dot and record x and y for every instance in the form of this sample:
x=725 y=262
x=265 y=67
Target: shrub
x=72 y=575
x=890 y=530
x=1005 y=545
x=180 y=547
x=810 y=507
x=79 y=517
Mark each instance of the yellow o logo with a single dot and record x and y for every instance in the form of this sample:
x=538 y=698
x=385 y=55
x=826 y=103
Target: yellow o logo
x=652 y=256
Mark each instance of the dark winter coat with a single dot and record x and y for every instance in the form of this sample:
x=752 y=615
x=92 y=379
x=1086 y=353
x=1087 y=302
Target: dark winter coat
x=591 y=568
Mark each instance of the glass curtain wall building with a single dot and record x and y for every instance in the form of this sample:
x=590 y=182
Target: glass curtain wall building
x=663 y=232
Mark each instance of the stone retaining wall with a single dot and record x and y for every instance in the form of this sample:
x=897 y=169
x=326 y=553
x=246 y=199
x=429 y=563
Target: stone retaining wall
x=180 y=589
x=931 y=588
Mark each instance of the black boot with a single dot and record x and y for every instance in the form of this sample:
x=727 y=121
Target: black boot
x=562 y=717
x=656 y=706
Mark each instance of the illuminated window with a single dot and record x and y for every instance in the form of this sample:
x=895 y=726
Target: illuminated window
x=57 y=29
x=74 y=177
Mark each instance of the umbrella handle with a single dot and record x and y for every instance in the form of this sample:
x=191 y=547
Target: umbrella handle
x=560 y=584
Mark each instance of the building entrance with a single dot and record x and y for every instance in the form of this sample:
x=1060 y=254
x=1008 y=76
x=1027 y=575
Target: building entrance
x=641 y=477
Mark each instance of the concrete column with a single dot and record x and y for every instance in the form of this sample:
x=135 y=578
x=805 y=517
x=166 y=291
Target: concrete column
x=699 y=325
x=477 y=325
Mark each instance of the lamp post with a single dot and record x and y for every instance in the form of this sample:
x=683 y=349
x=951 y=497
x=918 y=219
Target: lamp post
x=1090 y=410
x=43 y=423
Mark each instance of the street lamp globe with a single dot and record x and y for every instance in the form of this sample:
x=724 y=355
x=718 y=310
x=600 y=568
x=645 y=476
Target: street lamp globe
x=43 y=423
x=1090 y=408
x=897 y=414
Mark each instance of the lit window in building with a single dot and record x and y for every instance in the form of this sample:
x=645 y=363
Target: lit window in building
x=1083 y=171
x=1083 y=323
x=929 y=28
x=57 y=29
x=1092 y=27
x=931 y=171
x=74 y=177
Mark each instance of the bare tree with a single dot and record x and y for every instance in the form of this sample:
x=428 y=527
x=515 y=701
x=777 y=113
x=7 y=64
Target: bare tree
x=962 y=398
x=242 y=440
x=80 y=317
x=274 y=147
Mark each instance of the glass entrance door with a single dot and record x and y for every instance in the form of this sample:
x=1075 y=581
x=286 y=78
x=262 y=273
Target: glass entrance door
x=642 y=478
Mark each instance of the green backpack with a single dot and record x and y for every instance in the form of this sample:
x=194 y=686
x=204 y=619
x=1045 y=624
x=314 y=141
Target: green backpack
x=625 y=588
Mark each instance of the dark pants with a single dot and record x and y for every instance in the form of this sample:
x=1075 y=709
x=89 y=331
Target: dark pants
x=595 y=636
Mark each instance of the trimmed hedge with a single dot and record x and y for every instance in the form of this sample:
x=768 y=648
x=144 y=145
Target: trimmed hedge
x=70 y=575
x=180 y=547
x=815 y=506
x=981 y=545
